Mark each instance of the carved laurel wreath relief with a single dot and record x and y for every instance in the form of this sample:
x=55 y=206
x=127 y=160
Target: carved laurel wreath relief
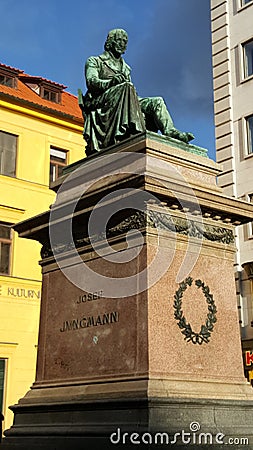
x=186 y=329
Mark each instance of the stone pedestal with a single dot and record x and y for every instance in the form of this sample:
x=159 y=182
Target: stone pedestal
x=139 y=328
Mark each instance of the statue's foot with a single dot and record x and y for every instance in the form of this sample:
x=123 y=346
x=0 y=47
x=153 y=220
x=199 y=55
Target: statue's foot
x=190 y=136
x=181 y=136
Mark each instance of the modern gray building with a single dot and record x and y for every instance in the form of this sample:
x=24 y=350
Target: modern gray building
x=232 y=49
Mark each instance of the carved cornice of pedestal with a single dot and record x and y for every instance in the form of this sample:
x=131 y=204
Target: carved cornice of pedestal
x=150 y=219
x=181 y=225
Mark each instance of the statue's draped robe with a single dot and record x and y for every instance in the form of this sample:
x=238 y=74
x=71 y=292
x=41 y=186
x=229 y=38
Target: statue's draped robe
x=111 y=113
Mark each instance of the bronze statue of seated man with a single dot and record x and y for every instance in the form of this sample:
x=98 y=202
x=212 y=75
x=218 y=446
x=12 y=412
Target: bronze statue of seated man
x=111 y=107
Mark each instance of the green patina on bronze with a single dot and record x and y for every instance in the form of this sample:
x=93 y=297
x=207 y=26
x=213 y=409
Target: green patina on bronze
x=111 y=108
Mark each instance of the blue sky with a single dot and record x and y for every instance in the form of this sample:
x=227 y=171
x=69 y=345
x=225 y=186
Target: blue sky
x=169 y=49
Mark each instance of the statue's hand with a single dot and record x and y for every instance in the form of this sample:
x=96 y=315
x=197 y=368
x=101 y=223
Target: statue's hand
x=117 y=79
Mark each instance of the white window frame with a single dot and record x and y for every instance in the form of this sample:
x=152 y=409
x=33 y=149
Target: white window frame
x=241 y=5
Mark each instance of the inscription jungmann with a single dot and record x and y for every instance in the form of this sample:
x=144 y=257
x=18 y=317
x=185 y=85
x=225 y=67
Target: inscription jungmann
x=90 y=321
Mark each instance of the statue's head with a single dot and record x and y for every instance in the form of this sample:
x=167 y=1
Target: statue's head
x=116 y=39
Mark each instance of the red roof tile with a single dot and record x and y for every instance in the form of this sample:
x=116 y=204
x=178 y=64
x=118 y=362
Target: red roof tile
x=35 y=79
x=11 y=68
x=23 y=93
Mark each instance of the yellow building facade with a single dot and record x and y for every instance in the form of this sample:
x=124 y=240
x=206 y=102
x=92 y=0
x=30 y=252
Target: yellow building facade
x=40 y=132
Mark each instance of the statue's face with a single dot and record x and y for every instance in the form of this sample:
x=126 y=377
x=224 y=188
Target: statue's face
x=119 y=44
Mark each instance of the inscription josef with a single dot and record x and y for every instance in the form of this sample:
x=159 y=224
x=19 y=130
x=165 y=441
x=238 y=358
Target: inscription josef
x=89 y=297
x=90 y=321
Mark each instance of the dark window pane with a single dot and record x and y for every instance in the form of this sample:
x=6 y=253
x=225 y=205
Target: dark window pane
x=50 y=95
x=60 y=170
x=4 y=257
x=7 y=81
x=53 y=97
x=46 y=94
x=2 y=378
x=5 y=231
x=250 y=133
x=248 y=59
